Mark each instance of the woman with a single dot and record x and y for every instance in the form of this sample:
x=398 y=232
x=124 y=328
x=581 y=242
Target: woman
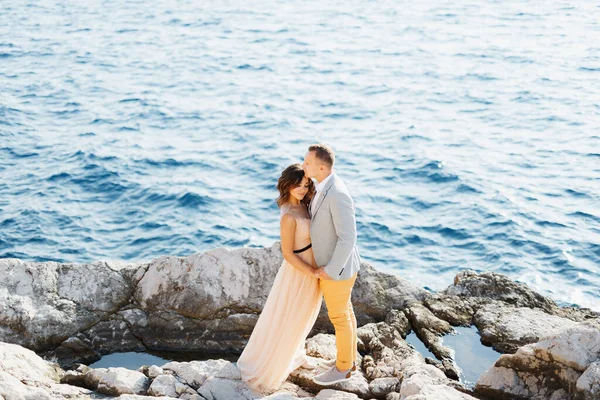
x=276 y=346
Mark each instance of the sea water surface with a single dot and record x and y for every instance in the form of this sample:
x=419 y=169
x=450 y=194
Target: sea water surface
x=467 y=132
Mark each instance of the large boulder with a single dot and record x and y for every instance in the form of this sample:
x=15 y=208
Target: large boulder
x=211 y=301
x=26 y=376
x=508 y=314
x=42 y=304
x=195 y=373
x=117 y=381
x=471 y=290
x=506 y=328
x=560 y=366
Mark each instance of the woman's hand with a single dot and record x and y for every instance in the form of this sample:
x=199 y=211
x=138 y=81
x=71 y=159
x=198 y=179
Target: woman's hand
x=324 y=276
x=318 y=272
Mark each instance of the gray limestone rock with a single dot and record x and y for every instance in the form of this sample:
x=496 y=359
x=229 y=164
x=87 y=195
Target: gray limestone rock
x=550 y=368
x=211 y=301
x=506 y=328
x=117 y=381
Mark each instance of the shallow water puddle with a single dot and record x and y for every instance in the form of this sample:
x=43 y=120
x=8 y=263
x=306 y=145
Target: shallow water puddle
x=471 y=357
x=413 y=340
x=134 y=360
x=130 y=360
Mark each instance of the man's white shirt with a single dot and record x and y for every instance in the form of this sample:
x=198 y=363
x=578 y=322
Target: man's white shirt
x=319 y=189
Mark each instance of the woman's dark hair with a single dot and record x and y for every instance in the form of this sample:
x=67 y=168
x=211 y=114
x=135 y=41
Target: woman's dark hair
x=291 y=178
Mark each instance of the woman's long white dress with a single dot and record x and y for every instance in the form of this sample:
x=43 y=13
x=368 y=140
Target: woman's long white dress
x=276 y=346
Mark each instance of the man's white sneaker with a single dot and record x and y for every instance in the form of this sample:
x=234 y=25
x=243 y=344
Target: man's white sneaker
x=332 y=376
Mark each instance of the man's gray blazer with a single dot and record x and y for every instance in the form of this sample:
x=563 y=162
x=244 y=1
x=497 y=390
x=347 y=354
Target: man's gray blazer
x=333 y=231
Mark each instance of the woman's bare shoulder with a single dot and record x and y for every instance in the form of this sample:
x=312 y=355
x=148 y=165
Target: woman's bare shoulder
x=288 y=218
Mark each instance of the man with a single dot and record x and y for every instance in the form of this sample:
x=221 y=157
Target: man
x=333 y=236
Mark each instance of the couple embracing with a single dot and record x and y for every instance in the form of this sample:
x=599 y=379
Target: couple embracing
x=321 y=260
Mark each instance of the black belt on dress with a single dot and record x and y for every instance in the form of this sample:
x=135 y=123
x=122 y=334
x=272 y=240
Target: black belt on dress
x=304 y=249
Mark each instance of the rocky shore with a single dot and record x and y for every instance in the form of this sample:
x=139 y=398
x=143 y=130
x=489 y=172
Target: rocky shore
x=57 y=318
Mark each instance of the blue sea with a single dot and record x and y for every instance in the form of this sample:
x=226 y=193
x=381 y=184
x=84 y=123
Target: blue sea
x=468 y=132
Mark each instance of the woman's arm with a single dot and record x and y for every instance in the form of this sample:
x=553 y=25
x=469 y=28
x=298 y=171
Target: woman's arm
x=288 y=230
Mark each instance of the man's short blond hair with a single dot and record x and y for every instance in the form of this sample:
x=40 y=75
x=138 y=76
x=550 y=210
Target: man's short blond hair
x=323 y=153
